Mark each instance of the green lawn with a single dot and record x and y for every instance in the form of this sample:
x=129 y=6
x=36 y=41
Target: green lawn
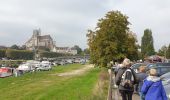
x=46 y=85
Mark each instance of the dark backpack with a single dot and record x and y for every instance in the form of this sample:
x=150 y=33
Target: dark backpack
x=127 y=79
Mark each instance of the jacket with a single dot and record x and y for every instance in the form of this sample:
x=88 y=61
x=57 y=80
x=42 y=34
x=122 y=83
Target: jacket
x=153 y=89
x=119 y=77
x=141 y=76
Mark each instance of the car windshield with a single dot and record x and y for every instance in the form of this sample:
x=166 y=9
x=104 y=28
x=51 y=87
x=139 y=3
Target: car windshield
x=163 y=64
x=150 y=65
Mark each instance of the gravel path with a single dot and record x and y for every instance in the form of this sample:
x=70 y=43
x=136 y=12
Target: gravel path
x=78 y=71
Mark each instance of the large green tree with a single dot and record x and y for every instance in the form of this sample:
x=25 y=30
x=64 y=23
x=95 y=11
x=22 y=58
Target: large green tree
x=162 y=51
x=111 y=39
x=147 y=47
x=168 y=52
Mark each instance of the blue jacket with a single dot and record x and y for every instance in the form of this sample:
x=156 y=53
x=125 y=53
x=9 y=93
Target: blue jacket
x=153 y=89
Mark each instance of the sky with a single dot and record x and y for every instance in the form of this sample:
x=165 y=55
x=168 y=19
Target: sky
x=67 y=21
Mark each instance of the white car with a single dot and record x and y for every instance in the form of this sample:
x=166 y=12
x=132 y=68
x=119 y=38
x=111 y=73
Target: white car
x=45 y=65
x=44 y=68
x=26 y=67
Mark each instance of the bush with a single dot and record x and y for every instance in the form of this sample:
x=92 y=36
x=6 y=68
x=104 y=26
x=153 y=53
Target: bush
x=19 y=54
x=2 y=53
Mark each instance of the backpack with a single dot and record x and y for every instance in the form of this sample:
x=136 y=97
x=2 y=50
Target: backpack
x=127 y=79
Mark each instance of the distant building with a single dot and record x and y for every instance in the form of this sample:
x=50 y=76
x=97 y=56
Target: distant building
x=66 y=50
x=3 y=47
x=40 y=42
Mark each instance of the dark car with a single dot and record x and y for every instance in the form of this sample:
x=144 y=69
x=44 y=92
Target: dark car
x=161 y=68
x=136 y=66
x=157 y=64
x=166 y=83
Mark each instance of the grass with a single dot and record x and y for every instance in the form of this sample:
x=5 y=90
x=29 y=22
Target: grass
x=48 y=86
x=101 y=89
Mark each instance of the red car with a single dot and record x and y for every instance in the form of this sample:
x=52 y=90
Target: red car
x=5 y=72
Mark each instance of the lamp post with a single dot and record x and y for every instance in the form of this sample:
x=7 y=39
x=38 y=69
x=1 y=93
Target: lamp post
x=34 y=51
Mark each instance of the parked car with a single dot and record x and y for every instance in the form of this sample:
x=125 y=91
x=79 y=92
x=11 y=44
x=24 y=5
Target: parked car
x=26 y=67
x=157 y=64
x=6 y=72
x=166 y=83
x=61 y=62
x=136 y=66
x=69 y=61
x=44 y=68
x=45 y=65
x=161 y=68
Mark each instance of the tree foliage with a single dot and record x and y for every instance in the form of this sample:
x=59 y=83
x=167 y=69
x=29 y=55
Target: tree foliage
x=86 y=51
x=79 y=50
x=51 y=54
x=111 y=40
x=168 y=52
x=162 y=51
x=2 y=53
x=19 y=54
x=15 y=47
x=147 y=47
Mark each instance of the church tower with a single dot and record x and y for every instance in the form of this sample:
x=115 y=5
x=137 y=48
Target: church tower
x=36 y=32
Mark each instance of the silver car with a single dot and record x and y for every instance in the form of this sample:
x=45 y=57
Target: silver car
x=166 y=83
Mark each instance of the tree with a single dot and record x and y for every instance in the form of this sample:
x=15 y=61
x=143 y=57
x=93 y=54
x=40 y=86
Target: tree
x=168 y=52
x=162 y=51
x=132 y=48
x=86 y=51
x=79 y=50
x=110 y=40
x=147 y=47
x=19 y=54
x=14 y=47
x=23 y=47
x=2 y=53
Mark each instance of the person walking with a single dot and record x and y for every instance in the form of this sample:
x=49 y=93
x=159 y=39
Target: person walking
x=152 y=87
x=125 y=79
x=141 y=76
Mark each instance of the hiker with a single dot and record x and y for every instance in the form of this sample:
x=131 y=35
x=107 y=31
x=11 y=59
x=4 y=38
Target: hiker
x=152 y=87
x=141 y=76
x=125 y=79
x=117 y=68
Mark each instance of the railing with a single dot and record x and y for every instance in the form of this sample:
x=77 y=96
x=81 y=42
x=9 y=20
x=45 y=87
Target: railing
x=110 y=85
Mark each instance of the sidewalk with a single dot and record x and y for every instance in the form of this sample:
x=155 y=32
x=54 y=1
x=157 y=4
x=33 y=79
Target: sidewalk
x=117 y=96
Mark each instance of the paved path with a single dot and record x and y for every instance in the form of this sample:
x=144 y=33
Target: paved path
x=116 y=95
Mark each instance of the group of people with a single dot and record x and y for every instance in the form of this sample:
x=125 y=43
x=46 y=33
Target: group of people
x=149 y=84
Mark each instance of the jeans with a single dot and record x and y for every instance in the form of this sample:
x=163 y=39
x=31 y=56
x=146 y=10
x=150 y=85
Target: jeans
x=126 y=95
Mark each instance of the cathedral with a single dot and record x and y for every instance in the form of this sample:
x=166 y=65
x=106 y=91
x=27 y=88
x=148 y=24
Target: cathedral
x=40 y=42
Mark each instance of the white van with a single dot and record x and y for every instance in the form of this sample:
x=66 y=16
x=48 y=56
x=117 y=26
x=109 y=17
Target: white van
x=26 y=67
